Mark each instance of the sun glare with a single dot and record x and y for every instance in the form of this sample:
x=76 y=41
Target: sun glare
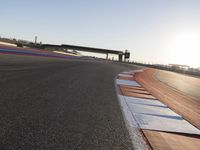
x=185 y=49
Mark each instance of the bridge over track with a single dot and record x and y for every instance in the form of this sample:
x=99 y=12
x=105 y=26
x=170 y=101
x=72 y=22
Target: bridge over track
x=88 y=49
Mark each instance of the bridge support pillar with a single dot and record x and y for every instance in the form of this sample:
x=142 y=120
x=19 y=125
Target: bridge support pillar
x=120 y=57
x=107 y=56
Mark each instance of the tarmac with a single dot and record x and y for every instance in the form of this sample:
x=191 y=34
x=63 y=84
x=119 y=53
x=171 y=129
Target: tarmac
x=51 y=103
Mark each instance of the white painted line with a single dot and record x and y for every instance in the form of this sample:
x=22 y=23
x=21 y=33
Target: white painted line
x=127 y=82
x=125 y=75
x=136 y=136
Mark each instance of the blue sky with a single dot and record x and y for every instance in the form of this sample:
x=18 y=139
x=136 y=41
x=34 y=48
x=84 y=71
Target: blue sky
x=145 y=27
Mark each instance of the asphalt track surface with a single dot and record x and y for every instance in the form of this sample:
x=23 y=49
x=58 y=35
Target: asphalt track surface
x=49 y=103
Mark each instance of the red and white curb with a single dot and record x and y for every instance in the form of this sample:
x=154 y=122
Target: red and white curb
x=138 y=140
x=141 y=113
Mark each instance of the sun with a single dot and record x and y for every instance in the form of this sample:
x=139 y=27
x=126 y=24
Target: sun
x=185 y=49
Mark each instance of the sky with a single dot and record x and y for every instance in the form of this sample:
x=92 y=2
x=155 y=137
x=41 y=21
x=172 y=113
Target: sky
x=154 y=31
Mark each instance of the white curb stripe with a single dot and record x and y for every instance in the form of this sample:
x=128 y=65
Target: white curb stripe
x=127 y=82
x=153 y=115
x=137 y=137
x=125 y=75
